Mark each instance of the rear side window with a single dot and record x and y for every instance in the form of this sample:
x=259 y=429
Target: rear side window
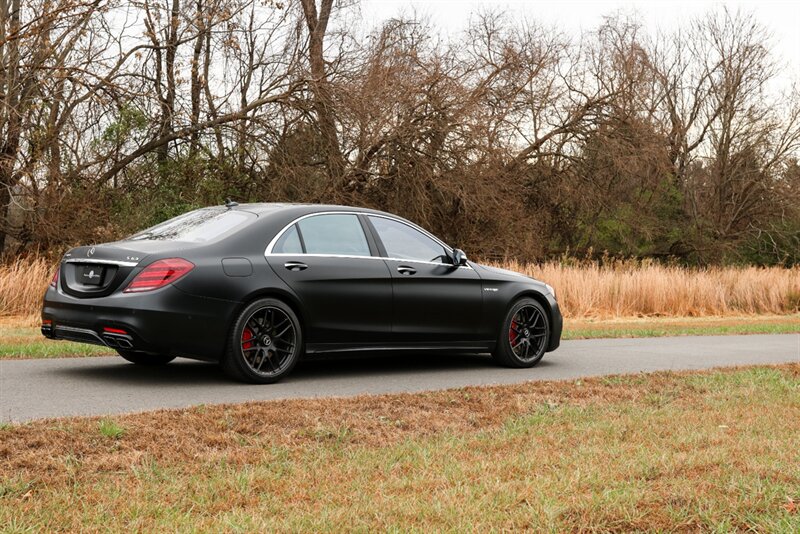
x=289 y=242
x=333 y=234
x=196 y=226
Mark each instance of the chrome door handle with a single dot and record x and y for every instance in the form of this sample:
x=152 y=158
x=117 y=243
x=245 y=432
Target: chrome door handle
x=405 y=269
x=295 y=266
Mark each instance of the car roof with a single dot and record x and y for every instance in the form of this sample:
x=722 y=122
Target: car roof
x=270 y=208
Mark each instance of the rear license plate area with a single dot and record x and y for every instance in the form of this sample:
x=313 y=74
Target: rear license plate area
x=91 y=275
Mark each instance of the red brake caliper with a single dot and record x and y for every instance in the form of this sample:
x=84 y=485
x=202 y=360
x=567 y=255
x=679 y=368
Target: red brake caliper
x=512 y=335
x=247 y=335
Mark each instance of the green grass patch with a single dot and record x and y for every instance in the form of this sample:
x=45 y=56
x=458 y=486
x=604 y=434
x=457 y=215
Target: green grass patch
x=50 y=349
x=28 y=342
x=109 y=429
x=661 y=330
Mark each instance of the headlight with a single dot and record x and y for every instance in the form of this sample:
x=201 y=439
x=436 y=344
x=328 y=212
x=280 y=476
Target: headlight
x=551 y=290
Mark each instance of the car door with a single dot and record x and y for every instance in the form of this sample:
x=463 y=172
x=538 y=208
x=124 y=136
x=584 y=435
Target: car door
x=344 y=287
x=434 y=301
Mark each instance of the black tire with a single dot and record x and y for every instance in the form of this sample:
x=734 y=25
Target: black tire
x=526 y=343
x=265 y=343
x=145 y=358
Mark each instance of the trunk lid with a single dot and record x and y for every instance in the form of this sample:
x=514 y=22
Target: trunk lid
x=99 y=270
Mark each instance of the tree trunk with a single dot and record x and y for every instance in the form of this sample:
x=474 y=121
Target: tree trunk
x=168 y=103
x=196 y=81
x=320 y=86
x=11 y=114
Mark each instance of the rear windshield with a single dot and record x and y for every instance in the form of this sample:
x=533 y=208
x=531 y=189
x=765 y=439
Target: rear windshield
x=197 y=226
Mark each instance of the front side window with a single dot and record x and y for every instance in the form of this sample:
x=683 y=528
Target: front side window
x=333 y=234
x=404 y=242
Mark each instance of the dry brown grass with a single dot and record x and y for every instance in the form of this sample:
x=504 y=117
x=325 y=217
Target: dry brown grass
x=632 y=289
x=585 y=290
x=22 y=285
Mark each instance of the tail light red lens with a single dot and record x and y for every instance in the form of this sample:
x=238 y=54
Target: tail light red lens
x=109 y=330
x=54 y=280
x=159 y=274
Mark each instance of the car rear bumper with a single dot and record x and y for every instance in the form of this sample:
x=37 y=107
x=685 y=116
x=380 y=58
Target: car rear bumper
x=165 y=321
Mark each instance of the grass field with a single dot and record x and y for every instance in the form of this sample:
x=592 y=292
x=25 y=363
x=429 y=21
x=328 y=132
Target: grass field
x=22 y=342
x=710 y=451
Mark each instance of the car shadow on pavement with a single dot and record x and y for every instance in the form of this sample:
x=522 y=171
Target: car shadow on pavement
x=338 y=367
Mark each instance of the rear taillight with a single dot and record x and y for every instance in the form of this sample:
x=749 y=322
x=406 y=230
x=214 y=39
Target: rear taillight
x=158 y=274
x=54 y=281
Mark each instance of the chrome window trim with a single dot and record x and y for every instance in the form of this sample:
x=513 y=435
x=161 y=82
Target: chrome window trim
x=268 y=251
x=347 y=256
x=298 y=254
x=105 y=262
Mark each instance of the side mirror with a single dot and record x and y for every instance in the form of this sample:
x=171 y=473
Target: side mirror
x=459 y=257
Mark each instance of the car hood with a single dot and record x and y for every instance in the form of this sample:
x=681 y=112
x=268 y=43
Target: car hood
x=502 y=274
x=495 y=273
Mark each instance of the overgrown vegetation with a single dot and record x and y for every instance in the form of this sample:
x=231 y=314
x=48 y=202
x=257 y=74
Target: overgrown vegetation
x=509 y=140
x=711 y=451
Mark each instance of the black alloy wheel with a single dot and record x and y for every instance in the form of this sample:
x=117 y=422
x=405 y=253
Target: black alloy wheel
x=265 y=343
x=524 y=335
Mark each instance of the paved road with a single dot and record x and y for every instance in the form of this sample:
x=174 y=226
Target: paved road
x=33 y=389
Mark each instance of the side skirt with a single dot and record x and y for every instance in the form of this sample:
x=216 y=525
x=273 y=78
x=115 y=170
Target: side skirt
x=475 y=346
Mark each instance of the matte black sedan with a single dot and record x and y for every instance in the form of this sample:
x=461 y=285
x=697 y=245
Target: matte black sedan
x=256 y=286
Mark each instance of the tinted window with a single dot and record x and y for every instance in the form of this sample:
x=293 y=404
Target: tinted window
x=404 y=242
x=334 y=234
x=196 y=226
x=289 y=242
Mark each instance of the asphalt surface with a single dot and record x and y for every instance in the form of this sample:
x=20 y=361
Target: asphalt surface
x=34 y=389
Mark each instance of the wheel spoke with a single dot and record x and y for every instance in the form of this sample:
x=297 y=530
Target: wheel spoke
x=287 y=349
x=283 y=331
x=280 y=324
x=263 y=357
x=272 y=367
x=253 y=358
x=255 y=326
